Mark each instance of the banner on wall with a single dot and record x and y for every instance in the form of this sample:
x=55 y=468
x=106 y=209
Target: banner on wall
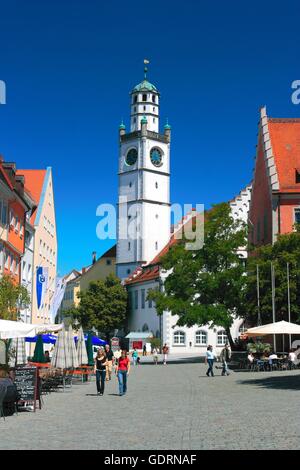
x=41 y=284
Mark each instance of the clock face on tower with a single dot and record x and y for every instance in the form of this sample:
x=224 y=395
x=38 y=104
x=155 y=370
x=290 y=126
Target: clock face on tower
x=131 y=157
x=156 y=156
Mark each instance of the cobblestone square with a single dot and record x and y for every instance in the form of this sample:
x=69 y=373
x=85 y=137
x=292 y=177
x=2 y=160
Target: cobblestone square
x=166 y=407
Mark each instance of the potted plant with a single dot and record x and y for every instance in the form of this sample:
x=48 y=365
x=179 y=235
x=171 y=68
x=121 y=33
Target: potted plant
x=258 y=348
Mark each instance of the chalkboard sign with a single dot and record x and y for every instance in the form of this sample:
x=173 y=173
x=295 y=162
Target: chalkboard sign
x=26 y=381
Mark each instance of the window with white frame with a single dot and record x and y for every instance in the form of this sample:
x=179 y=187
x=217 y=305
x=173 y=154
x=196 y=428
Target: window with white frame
x=201 y=338
x=143 y=298
x=12 y=263
x=6 y=259
x=11 y=218
x=221 y=338
x=179 y=338
x=17 y=224
x=297 y=216
x=4 y=214
x=24 y=271
x=29 y=275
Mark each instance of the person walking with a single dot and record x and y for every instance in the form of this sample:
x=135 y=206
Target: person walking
x=225 y=357
x=144 y=350
x=100 y=370
x=155 y=355
x=109 y=361
x=134 y=356
x=209 y=359
x=165 y=351
x=122 y=371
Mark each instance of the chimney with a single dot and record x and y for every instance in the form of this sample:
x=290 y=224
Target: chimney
x=94 y=257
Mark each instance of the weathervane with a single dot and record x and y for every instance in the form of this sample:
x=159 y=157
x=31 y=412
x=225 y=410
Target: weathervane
x=146 y=62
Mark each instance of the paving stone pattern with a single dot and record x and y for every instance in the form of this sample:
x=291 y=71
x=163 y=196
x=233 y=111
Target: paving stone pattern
x=166 y=407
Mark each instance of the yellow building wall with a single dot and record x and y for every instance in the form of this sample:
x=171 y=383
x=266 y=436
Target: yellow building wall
x=100 y=270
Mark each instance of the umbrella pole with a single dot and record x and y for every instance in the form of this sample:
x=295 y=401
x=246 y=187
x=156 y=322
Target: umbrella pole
x=273 y=300
x=289 y=299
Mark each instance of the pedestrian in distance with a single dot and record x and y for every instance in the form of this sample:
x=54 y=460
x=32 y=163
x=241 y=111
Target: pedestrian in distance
x=165 y=351
x=134 y=356
x=100 y=370
x=225 y=357
x=122 y=371
x=155 y=355
x=209 y=359
x=109 y=361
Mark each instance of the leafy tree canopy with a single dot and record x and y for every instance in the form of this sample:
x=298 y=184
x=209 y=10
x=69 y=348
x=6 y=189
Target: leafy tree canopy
x=207 y=285
x=102 y=306
x=13 y=297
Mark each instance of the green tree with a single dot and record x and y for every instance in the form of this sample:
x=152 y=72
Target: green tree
x=285 y=250
x=13 y=298
x=102 y=306
x=207 y=285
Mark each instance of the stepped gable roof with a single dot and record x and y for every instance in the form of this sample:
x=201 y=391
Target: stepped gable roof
x=285 y=142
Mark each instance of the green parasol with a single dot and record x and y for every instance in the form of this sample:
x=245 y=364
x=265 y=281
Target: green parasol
x=39 y=355
x=89 y=349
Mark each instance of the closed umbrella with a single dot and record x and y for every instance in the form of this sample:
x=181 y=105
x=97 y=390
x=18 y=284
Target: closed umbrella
x=59 y=356
x=72 y=353
x=89 y=348
x=18 y=346
x=39 y=355
x=81 y=349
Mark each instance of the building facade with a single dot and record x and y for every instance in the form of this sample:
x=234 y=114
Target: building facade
x=275 y=204
x=15 y=203
x=143 y=226
x=39 y=183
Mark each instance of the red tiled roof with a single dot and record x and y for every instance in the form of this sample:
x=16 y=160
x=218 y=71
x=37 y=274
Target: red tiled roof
x=285 y=140
x=151 y=270
x=34 y=180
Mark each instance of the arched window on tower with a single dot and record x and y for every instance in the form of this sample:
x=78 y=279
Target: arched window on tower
x=144 y=97
x=144 y=108
x=154 y=98
x=135 y=99
x=156 y=185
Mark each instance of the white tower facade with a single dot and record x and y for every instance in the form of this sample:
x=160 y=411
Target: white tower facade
x=143 y=227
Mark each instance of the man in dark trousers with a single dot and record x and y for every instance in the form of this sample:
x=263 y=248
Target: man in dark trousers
x=225 y=357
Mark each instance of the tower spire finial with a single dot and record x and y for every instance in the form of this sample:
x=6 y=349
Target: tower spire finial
x=146 y=61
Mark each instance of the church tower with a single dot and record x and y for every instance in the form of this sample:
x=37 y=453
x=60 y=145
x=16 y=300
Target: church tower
x=143 y=227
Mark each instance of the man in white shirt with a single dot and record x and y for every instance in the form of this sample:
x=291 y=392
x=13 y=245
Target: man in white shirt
x=292 y=359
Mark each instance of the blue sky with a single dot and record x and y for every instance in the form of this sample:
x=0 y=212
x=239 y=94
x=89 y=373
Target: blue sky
x=69 y=67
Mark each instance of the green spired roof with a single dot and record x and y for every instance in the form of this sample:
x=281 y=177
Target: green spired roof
x=145 y=86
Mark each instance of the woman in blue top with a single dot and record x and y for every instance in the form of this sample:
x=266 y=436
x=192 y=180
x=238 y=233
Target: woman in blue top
x=209 y=359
